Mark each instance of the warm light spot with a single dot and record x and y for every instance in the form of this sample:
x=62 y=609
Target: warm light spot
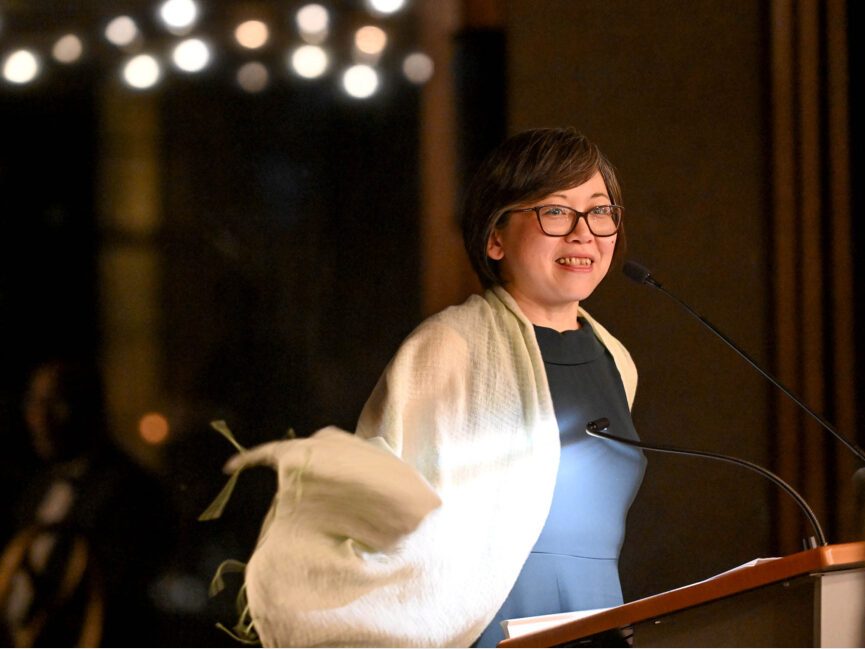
x=67 y=49
x=360 y=81
x=312 y=23
x=21 y=67
x=253 y=77
x=370 y=40
x=385 y=6
x=179 y=15
x=121 y=31
x=309 y=61
x=252 y=34
x=142 y=71
x=153 y=428
x=191 y=55
x=418 y=67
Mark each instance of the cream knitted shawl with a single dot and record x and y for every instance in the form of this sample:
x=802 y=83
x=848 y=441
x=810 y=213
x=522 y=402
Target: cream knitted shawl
x=413 y=531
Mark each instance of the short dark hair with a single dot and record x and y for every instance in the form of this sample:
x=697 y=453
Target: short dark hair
x=525 y=168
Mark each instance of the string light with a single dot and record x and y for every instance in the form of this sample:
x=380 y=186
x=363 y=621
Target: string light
x=360 y=81
x=67 y=49
x=309 y=61
x=121 y=31
x=252 y=34
x=384 y=7
x=191 y=55
x=21 y=67
x=313 y=21
x=300 y=41
x=142 y=72
x=179 y=15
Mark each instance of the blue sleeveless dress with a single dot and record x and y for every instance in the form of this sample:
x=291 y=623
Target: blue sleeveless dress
x=574 y=563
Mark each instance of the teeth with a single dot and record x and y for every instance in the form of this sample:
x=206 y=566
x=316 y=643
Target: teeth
x=574 y=261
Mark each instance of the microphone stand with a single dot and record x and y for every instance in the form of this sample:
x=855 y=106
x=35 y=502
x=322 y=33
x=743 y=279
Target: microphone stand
x=641 y=275
x=597 y=427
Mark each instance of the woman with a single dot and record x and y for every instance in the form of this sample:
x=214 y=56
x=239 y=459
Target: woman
x=496 y=503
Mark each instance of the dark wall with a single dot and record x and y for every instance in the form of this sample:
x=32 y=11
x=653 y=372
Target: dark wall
x=674 y=93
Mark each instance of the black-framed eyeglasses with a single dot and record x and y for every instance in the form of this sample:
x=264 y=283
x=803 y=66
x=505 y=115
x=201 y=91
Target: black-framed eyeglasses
x=560 y=220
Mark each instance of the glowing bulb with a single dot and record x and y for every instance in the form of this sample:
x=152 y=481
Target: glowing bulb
x=253 y=77
x=312 y=23
x=67 y=49
x=121 y=31
x=252 y=34
x=153 y=428
x=191 y=55
x=142 y=71
x=385 y=6
x=418 y=67
x=21 y=67
x=370 y=40
x=179 y=15
x=360 y=81
x=309 y=61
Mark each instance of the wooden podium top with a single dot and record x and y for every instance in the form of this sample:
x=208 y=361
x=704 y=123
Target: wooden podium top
x=822 y=559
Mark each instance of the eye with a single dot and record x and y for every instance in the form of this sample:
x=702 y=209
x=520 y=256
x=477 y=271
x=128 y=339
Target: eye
x=553 y=210
x=602 y=210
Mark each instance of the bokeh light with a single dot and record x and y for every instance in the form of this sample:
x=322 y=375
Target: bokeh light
x=67 y=49
x=121 y=31
x=418 y=67
x=360 y=81
x=21 y=67
x=253 y=77
x=313 y=21
x=252 y=34
x=309 y=61
x=142 y=72
x=153 y=428
x=384 y=7
x=179 y=15
x=370 y=40
x=191 y=55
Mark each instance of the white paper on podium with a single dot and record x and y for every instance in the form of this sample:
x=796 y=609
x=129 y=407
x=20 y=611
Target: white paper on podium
x=522 y=625
x=516 y=627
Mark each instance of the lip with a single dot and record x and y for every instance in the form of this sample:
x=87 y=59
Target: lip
x=576 y=267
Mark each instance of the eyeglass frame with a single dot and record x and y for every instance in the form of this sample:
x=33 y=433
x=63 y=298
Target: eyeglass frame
x=584 y=215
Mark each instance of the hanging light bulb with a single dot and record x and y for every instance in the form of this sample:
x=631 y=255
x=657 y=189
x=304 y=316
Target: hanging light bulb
x=360 y=81
x=121 y=31
x=142 y=72
x=179 y=16
x=313 y=22
x=309 y=61
x=418 y=67
x=252 y=34
x=67 y=49
x=191 y=55
x=21 y=67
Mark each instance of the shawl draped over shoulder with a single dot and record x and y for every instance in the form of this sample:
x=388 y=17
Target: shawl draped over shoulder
x=412 y=531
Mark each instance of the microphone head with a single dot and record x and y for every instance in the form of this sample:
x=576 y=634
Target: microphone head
x=638 y=273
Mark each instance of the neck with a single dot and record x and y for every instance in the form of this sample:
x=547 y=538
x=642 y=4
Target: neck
x=560 y=317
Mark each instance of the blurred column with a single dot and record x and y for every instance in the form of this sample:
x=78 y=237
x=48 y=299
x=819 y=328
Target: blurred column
x=451 y=140
x=129 y=199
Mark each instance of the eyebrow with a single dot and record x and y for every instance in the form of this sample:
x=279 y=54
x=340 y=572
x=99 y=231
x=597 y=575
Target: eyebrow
x=595 y=195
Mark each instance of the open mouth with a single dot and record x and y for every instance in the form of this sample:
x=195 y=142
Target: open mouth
x=584 y=262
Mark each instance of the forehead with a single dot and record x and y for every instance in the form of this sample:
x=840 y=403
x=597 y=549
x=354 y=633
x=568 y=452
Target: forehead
x=594 y=187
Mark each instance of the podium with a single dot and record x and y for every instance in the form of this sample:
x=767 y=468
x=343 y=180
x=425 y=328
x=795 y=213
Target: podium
x=814 y=598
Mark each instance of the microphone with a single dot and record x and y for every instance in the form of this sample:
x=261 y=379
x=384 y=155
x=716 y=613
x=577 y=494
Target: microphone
x=641 y=275
x=598 y=427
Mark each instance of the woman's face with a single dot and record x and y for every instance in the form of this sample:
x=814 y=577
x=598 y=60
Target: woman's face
x=548 y=276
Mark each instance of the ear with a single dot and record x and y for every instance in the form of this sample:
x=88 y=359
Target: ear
x=495 y=250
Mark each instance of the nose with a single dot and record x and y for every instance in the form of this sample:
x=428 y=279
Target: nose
x=581 y=232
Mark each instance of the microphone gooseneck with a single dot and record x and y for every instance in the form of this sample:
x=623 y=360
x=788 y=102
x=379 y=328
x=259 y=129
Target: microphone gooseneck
x=641 y=275
x=598 y=427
